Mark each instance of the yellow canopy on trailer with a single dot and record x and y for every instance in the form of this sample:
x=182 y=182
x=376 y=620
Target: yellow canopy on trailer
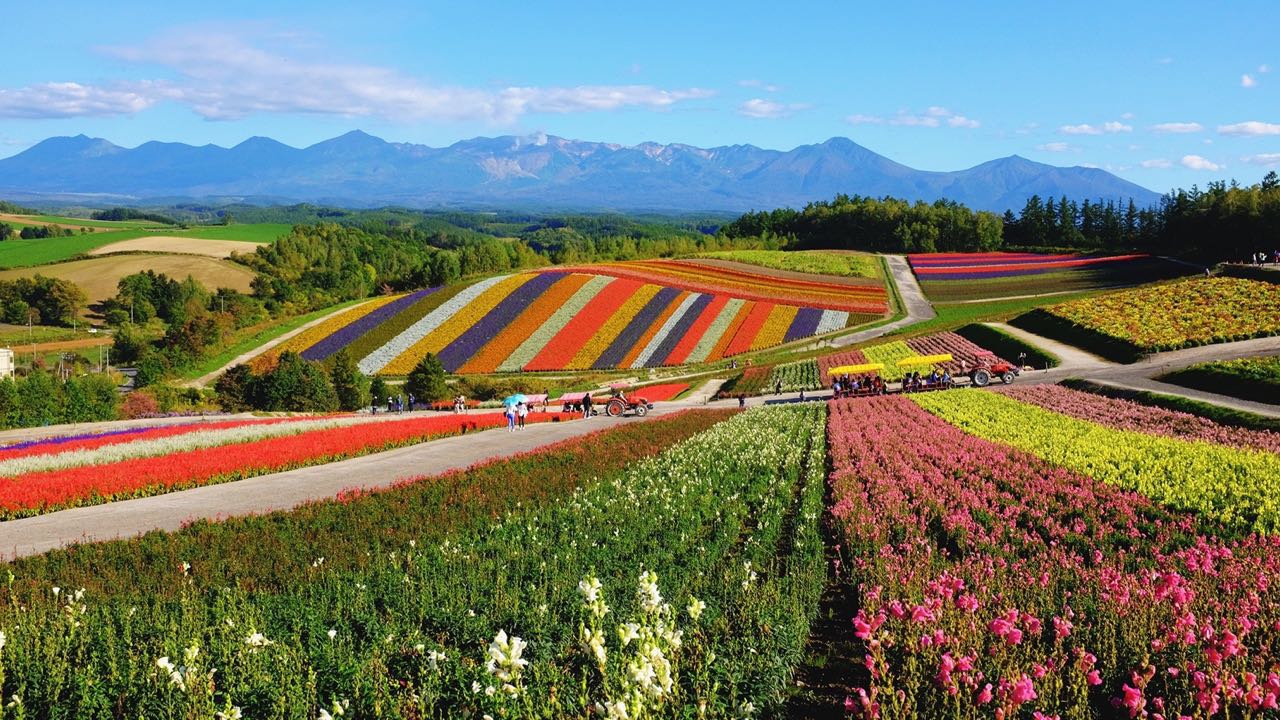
x=924 y=360
x=855 y=369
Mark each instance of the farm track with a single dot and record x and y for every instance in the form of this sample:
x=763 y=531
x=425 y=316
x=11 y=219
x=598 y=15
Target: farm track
x=917 y=305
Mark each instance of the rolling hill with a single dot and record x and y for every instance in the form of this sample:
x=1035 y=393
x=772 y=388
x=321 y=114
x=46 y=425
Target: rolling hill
x=542 y=171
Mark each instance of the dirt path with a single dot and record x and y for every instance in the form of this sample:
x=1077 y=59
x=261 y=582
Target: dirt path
x=918 y=307
x=1071 y=359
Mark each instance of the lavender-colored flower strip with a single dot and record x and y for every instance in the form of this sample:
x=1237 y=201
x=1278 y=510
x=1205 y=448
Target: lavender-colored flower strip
x=352 y=332
x=1127 y=415
x=72 y=438
x=457 y=353
x=804 y=324
x=630 y=335
x=673 y=338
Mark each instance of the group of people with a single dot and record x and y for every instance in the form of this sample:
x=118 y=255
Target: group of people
x=585 y=406
x=516 y=414
x=1262 y=257
x=913 y=382
x=395 y=404
x=850 y=386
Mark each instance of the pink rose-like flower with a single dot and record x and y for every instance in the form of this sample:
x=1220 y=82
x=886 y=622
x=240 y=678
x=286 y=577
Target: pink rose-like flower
x=1133 y=700
x=1023 y=691
x=1093 y=677
x=1061 y=627
x=984 y=695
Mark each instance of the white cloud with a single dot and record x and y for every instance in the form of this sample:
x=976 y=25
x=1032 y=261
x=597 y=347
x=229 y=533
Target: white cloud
x=860 y=119
x=1164 y=61
x=224 y=75
x=753 y=83
x=1178 y=127
x=1264 y=159
x=761 y=108
x=1264 y=69
x=1247 y=81
x=1127 y=116
x=1026 y=129
x=68 y=99
x=1087 y=129
x=934 y=116
x=1054 y=147
x=1159 y=163
x=1084 y=129
x=1251 y=127
x=1195 y=162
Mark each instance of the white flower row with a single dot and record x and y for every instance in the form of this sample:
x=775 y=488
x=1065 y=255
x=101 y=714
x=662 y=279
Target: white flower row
x=717 y=329
x=665 y=330
x=831 y=321
x=153 y=447
x=538 y=340
x=378 y=359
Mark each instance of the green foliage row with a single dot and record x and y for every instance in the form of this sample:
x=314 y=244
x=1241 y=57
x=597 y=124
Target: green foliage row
x=1256 y=379
x=1006 y=346
x=39 y=399
x=792 y=377
x=815 y=262
x=295 y=385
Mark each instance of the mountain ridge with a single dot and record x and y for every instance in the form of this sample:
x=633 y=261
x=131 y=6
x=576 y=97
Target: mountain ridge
x=542 y=170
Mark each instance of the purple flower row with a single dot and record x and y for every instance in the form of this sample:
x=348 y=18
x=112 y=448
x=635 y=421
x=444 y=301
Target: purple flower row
x=631 y=334
x=349 y=334
x=457 y=353
x=804 y=324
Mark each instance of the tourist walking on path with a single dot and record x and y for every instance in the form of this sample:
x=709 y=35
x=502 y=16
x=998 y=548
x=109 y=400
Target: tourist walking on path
x=586 y=406
x=511 y=418
x=522 y=412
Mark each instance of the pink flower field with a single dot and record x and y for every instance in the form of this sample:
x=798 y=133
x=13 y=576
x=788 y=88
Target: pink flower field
x=993 y=584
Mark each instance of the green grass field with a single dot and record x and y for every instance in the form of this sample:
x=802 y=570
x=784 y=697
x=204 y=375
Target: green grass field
x=28 y=253
x=83 y=222
x=816 y=262
x=1256 y=379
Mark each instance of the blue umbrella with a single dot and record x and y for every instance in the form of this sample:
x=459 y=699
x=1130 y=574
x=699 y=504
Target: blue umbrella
x=514 y=399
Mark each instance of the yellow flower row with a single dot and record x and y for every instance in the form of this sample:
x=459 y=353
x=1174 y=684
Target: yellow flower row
x=612 y=327
x=1240 y=488
x=450 y=329
x=320 y=331
x=775 y=327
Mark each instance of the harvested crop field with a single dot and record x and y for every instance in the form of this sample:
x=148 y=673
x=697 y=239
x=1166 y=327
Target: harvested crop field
x=179 y=245
x=98 y=276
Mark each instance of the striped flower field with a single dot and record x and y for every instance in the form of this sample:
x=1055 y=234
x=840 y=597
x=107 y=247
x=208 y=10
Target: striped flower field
x=622 y=315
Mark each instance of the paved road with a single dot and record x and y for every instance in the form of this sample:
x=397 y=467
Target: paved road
x=918 y=307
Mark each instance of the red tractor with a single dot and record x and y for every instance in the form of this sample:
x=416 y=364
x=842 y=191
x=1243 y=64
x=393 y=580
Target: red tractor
x=990 y=366
x=620 y=404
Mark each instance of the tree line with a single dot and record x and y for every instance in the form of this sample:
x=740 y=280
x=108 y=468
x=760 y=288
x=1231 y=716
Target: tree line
x=1222 y=222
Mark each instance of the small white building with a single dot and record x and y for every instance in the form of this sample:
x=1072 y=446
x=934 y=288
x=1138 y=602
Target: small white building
x=6 y=363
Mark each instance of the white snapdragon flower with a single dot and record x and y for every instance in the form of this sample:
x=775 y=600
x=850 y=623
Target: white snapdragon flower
x=505 y=662
x=647 y=593
x=695 y=608
x=257 y=640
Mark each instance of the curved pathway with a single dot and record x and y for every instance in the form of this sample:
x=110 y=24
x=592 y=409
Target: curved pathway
x=917 y=306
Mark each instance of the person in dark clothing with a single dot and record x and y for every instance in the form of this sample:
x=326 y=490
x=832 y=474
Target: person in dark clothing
x=586 y=406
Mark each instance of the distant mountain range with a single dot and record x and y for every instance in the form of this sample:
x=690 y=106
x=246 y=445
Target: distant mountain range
x=357 y=169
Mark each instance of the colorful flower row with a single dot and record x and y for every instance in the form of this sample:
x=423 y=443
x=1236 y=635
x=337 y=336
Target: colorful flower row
x=889 y=354
x=49 y=490
x=999 y=265
x=991 y=583
x=556 y=320
x=322 y=330
x=716 y=280
x=168 y=443
x=1180 y=314
x=848 y=357
x=966 y=353
x=1129 y=415
x=1236 y=488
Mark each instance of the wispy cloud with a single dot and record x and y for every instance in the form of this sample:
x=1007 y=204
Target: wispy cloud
x=1087 y=129
x=224 y=75
x=1178 y=127
x=68 y=99
x=1157 y=163
x=1264 y=69
x=1056 y=147
x=1196 y=162
x=753 y=83
x=1247 y=81
x=934 y=116
x=1264 y=159
x=761 y=108
x=860 y=119
x=1251 y=127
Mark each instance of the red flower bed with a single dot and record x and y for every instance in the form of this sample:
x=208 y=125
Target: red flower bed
x=699 y=328
x=658 y=393
x=961 y=348
x=750 y=327
x=52 y=446
x=54 y=490
x=561 y=349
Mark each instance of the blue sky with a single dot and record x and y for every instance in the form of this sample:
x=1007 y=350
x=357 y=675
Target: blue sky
x=1165 y=94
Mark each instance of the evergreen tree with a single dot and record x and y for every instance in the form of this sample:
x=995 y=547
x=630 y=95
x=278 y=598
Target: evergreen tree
x=378 y=391
x=426 y=380
x=349 y=384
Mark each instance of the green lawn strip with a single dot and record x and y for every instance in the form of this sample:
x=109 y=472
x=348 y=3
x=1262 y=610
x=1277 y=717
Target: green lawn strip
x=1055 y=327
x=744 y=539
x=113 y=224
x=262 y=233
x=28 y=253
x=1007 y=346
x=1216 y=413
x=1256 y=379
x=260 y=337
x=19 y=335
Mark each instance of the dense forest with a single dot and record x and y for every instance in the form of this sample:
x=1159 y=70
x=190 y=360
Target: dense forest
x=123 y=213
x=1222 y=222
